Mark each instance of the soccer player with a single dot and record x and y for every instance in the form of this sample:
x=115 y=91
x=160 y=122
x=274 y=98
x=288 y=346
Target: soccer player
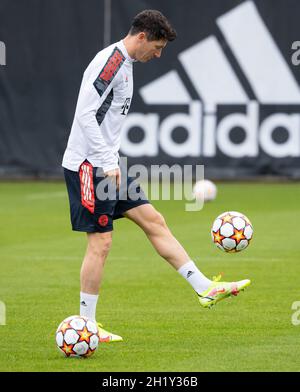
x=92 y=156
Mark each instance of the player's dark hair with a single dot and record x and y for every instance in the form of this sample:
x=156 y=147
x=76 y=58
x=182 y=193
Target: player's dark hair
x=154 y=24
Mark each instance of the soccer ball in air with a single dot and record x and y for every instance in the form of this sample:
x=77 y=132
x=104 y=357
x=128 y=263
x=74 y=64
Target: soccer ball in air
x=77 y=336
x=232 y=231
x=204 y=190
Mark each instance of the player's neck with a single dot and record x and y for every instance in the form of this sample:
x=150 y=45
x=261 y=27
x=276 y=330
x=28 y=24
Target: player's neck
x=130 y=45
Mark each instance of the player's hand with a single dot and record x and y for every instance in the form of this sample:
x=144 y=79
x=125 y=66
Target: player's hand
x=115 y=176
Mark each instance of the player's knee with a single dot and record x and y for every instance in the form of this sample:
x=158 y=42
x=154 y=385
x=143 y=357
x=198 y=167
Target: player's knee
x=106 y=245
x=160 y=220
x=100 y=247
x=157 y=222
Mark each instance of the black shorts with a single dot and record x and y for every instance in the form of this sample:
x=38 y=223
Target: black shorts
x=91 y=214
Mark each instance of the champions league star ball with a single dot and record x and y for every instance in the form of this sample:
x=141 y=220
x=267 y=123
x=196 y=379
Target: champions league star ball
x=205 y=190
x=77 y=336
x=232 y=231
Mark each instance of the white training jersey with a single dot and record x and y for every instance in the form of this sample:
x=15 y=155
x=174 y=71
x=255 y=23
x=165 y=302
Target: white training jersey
x=103 y=103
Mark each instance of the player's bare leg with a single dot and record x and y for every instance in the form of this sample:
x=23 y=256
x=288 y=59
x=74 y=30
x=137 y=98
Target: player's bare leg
x=91 y=275
x=97 y=251
x=166 y=245
x=157 y=231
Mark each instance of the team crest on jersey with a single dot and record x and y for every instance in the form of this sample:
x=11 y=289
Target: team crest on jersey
x=108 y=72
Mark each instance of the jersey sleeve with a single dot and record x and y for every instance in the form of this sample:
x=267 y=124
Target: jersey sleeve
x=95 y=91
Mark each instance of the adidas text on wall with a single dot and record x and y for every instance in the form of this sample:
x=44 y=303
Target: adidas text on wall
x=225 y=118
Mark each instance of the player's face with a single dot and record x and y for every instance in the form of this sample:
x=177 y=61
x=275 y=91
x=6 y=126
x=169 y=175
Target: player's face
x=149 y=50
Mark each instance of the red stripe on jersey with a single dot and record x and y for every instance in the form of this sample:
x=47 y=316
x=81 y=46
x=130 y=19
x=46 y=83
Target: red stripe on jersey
x=87 y=186
x=108 y=72
x=112 y=66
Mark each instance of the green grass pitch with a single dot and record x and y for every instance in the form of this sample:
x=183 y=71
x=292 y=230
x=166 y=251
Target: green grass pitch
x=142 y=297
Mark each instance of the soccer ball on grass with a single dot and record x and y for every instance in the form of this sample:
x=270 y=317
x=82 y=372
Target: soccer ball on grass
x=232 y=231
x=204 y=190
x=77 y=336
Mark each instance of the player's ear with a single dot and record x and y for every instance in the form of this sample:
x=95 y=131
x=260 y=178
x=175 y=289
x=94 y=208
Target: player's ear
x=141 y=36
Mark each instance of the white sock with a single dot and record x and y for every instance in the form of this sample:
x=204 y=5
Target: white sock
x=88 y=303
x=194 y=277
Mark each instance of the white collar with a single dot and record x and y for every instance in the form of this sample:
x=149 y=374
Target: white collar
x=124 y=50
